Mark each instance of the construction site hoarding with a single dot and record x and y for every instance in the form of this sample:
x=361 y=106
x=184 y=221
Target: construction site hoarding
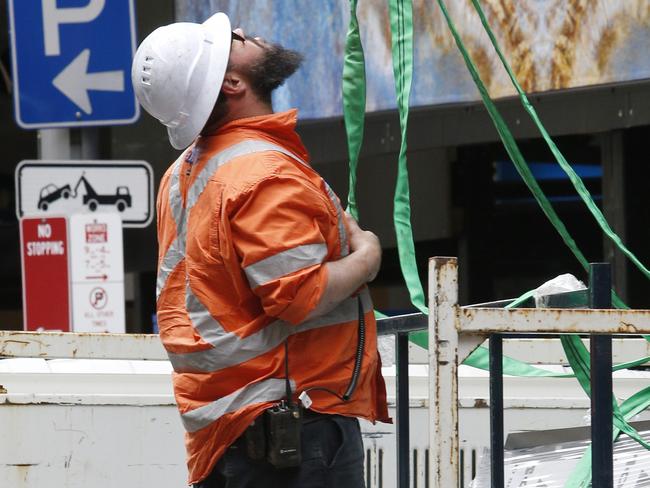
x=551 y=46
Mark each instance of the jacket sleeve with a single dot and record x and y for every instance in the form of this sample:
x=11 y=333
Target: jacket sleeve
x=279 y=232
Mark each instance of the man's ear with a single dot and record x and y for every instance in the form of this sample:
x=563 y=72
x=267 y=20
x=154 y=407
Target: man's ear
x=233 y=84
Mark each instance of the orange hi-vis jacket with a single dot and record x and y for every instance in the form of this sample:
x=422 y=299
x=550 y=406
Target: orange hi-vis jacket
x=245 y=226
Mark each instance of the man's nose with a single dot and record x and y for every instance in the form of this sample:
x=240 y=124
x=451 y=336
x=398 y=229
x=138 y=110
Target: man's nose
x=240 y=31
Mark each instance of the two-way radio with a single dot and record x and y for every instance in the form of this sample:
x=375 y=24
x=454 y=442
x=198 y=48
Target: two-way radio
x=276 y=436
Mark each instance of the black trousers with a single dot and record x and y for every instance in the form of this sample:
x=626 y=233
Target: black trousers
x=332 y=457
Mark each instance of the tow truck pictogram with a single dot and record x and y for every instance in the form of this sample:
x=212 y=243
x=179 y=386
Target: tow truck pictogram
x=121 y=198
x=51 y=193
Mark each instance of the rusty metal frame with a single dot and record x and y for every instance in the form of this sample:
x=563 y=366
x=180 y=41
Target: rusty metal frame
x=455 y=332
x=51 y=345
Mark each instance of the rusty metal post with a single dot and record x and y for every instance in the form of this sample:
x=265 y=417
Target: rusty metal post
x=443 y=372
x=602 y=464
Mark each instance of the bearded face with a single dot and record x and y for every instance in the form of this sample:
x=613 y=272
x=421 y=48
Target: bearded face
x=271 y=69
x=265 y=66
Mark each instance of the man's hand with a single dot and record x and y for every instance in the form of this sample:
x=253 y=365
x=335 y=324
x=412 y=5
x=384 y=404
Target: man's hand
x=366 y=244
x=348 y=274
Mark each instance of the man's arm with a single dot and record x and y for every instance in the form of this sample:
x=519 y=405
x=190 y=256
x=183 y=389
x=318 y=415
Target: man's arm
x=348 y=274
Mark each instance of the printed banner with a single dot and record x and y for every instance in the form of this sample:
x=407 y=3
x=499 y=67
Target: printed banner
x=551 y=45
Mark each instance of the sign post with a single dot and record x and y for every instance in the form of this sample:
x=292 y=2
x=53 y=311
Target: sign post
x=97 y=273
x=71 y=63
x=44 y=256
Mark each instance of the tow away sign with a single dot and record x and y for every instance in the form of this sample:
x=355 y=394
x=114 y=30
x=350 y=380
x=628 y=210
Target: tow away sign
x=46 y=188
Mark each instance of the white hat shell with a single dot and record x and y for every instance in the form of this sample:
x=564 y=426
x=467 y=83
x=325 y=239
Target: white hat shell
x=177 y=74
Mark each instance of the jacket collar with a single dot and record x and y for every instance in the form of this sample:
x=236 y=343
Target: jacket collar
x=279 y=128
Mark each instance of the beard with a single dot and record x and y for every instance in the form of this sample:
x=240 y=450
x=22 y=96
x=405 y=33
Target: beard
x=275 y=65
x=272 y=69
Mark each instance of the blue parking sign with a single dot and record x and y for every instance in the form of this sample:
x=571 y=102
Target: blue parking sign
x=72 y=62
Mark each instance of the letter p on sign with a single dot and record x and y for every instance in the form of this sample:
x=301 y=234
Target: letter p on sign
x=53 y=17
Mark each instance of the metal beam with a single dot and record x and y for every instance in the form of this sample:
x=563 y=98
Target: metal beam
x=593 y=109
x=50 y=345
x=553 y=320
x=402 y=323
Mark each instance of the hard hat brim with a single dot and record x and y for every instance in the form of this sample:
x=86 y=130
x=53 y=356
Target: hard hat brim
x=200 y=107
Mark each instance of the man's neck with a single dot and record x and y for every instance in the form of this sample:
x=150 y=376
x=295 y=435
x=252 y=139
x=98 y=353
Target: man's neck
x=236 y=112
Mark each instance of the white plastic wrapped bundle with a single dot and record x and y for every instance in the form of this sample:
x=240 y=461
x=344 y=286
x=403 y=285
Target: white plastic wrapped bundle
x=550 y=465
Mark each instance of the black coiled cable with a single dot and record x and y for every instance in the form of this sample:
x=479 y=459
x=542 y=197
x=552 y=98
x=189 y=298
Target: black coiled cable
x=358 y=360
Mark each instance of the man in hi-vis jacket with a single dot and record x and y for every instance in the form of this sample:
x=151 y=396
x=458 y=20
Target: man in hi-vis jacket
x=262 y=304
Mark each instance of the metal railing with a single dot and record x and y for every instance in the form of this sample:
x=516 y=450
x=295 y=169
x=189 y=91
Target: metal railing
x=598 y=296
x=455 y=332
x=400 y=326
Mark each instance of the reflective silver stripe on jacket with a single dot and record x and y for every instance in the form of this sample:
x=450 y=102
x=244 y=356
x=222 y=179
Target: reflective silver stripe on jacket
x=173 y=256
x=285 y=263
x=176 y=251
x=230 y=350
x=264 y=391
x=343 y=235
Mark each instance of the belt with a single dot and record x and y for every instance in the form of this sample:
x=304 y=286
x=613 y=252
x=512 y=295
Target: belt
x=308 y=417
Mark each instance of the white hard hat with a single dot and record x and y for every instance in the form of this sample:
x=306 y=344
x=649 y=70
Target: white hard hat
x=177 y=74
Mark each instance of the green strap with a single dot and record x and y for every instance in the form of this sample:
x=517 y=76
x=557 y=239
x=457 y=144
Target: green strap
x=401 y=36
x=579 y=364
x=577 y=354
x=354 y=101
x=515 y=154
x=512 y=148
x=480 y=359
x=581 y=475
x=579 y=359
x=401 y=30
x=354 y=106
x=577 y=182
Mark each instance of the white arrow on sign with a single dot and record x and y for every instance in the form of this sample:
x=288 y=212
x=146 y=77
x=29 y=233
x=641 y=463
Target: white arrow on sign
x=74 y=81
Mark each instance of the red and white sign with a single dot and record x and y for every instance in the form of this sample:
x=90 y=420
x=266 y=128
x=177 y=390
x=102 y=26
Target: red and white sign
x=97 y=272
x=96 y=233
x=44 y=256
